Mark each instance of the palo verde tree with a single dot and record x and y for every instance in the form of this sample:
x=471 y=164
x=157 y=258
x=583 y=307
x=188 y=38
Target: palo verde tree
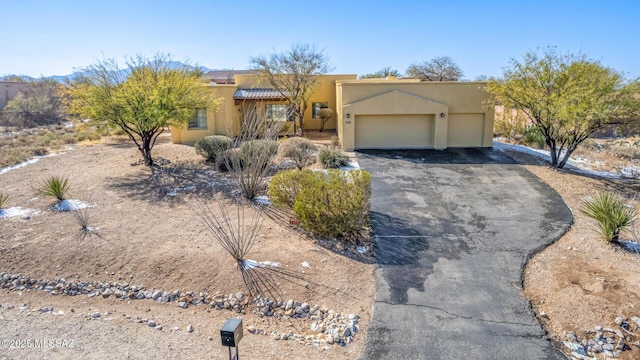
x=142 y=100
x=294 y=74
x=441 y=68
x=567 y=97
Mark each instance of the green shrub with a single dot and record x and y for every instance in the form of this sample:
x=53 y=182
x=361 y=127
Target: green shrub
x=209 y=147
x=3 y=200
x=533 y=136
x=56 y=187
x=258 y=149
x=256 y=155
x=300 y=150
x=332 y=159
x=335 y=203
x=612 y=215
x=229 y=160
x=285 y=186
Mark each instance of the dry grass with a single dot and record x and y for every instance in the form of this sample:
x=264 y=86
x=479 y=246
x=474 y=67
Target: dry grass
x=19 y=146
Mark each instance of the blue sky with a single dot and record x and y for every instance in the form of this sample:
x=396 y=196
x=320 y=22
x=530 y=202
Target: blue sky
x=55 y=37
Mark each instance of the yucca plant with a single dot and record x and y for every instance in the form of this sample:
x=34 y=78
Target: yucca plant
x=612 y=215
x=55 y=187
x=3 y=200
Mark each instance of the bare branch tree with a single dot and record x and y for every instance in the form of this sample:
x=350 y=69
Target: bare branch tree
x=441 y=68
x=294 y=75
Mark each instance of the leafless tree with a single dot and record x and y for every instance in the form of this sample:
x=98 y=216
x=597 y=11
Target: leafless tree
x=441 y=68
x=294 y=74
x=325 y=114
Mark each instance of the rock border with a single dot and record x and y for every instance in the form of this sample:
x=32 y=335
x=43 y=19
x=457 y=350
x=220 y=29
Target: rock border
x=327 y=325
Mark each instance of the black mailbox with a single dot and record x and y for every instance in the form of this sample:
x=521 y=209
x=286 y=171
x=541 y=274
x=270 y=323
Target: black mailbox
x=231 y=332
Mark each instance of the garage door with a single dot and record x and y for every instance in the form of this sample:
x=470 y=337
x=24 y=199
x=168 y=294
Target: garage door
x=465 y=130
x=393 y=131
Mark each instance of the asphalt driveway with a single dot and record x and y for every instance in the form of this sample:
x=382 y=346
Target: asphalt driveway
x=453 y=230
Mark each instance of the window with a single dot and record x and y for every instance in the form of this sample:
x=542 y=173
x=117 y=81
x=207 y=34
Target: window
x=315 y=108
x=276 y=112
x=199 y=120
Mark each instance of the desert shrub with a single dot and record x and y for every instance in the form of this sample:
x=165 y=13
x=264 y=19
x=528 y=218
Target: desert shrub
x=40 y=151
x=625 y=152
x=300 y=150
x=612 y=215
x=591 y=145
x=55 y=187
x=334 y=203
x=257 y=149
x=532 y=136
x=332 y=158
x=509 y=124
x=256 y=156
x=335 y=141
x=3 y=200
x=285 y=186
x=229 y=160
x=209 y=147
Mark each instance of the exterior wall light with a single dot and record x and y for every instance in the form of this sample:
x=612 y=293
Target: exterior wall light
x=442 y=115
x=348 y=116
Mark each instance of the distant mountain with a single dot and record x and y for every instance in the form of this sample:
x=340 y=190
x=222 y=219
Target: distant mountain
x=70 y=77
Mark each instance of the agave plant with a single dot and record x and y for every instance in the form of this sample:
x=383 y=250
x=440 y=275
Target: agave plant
x=612 y=215
x=3 y=200
x=55 y=187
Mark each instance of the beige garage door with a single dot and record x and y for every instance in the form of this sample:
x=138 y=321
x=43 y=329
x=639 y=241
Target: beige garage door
x=465 y=130
x=393 y=131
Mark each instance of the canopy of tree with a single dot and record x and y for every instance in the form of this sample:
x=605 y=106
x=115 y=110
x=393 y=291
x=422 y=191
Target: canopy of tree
x=150 y=95
x=566 y=97
x=441 y=68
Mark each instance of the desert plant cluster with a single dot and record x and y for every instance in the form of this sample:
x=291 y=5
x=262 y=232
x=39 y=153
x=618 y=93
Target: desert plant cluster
x=330 y=203
x=610 y=212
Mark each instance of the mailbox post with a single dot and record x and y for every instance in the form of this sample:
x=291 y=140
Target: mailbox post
x=231 y=334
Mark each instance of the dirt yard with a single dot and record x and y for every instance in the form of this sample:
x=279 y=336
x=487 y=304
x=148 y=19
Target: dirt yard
x=157 y=242
x=580 y=281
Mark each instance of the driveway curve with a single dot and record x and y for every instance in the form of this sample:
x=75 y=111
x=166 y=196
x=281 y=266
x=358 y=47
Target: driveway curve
x=453 y=230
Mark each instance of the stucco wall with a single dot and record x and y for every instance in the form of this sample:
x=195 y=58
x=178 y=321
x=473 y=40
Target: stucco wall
x=458 y=109
x=221 y=121
x=325 y=91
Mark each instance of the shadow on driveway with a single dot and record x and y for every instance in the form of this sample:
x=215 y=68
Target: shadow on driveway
x=453 y=230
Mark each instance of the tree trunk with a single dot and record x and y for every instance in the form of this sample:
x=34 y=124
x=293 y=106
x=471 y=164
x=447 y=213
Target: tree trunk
x=145 y=149
x=565 y=158
x=554 y=154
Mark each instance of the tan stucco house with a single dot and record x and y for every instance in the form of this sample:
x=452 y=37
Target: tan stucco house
x=369 y=114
